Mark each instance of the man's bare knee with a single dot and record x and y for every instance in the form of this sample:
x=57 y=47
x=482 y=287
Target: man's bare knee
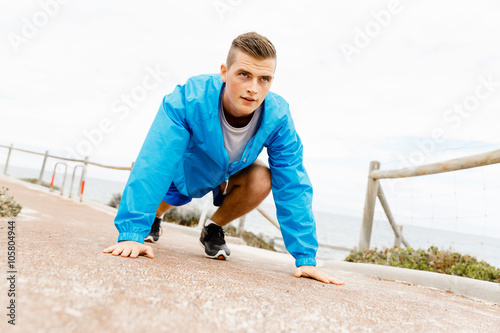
x=260 y=180
x=244 y=176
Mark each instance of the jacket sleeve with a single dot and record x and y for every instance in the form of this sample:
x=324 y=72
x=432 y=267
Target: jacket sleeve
x=154 y=169
x=292 y=192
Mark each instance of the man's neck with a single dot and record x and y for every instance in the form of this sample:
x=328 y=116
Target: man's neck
x=237 y=122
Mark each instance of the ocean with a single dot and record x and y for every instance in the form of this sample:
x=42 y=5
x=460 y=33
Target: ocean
x=334 y=229
x=344 y=230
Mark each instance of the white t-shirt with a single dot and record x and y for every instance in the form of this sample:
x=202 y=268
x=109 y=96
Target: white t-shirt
x=236 y=138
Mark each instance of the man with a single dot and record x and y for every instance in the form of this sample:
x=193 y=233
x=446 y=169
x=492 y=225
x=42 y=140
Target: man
x=206 y=137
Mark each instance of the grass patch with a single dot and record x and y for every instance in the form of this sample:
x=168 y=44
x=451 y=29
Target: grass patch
x=432 y=260
x=35 y=181
x=8 y=206
x=250 y=238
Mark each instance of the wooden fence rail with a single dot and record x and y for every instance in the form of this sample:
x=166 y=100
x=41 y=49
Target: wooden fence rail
x=374 y=188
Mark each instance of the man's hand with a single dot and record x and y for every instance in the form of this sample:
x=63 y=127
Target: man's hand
x=314 y=273
x=130 y=248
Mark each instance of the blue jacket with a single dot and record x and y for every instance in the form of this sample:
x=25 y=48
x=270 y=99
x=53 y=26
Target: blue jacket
x=185 y=146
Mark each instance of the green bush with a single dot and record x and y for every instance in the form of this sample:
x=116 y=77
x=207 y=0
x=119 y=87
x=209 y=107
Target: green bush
x=432 y=260
x=8 y=206
x=115 y=200
x=187 y=215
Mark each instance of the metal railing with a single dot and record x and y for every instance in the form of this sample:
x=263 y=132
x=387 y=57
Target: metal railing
x=85 y=162
x=54 y=175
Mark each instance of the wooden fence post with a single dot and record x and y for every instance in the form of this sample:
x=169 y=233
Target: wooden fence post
x=241 y=225
x=204 y=214
x=398 y=238
x=39 y=182
x=369 y=210
x=7 y=162
x=269 y=218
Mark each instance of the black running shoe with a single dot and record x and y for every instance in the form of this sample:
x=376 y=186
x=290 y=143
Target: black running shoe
x=156 y=231
x=212 y=240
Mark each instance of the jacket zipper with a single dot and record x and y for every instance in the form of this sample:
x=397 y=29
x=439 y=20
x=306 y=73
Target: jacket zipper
x=247 y=150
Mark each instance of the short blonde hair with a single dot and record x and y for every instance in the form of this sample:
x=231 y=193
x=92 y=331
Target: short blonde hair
x=253 y=44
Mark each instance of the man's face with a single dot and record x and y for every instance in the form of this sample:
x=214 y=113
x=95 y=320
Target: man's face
x=248 y=81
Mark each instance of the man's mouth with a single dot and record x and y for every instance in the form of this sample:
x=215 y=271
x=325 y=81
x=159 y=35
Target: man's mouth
x=248 y=99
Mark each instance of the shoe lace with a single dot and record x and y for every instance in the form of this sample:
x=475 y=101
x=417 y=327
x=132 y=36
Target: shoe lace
x=215 y=235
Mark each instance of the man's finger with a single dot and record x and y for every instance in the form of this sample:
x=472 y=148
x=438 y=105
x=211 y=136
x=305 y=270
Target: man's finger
x=117 y=251
x=336 y=281
x=135 y=252
x=149 y=252
x=109 y=249
x=126 y=252
x=320 y=277
x=314 y=273
x=333 y=280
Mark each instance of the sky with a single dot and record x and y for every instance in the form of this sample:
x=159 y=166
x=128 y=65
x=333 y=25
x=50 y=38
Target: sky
x=402 y=82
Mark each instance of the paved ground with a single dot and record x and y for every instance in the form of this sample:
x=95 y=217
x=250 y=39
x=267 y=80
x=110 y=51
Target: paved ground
x=66 y=284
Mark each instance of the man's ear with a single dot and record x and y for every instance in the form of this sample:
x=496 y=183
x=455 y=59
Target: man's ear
x=223 y=72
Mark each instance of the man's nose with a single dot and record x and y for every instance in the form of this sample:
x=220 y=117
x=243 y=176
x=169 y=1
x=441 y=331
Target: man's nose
x=252 y=87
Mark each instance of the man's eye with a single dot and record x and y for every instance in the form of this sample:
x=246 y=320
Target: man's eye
x=244 y=74
x=265 y=79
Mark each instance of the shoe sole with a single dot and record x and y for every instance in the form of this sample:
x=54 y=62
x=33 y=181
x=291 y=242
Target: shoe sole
x=149 y=239
x=221 y=255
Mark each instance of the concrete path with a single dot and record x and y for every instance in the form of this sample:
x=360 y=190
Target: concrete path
x=66 y=284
